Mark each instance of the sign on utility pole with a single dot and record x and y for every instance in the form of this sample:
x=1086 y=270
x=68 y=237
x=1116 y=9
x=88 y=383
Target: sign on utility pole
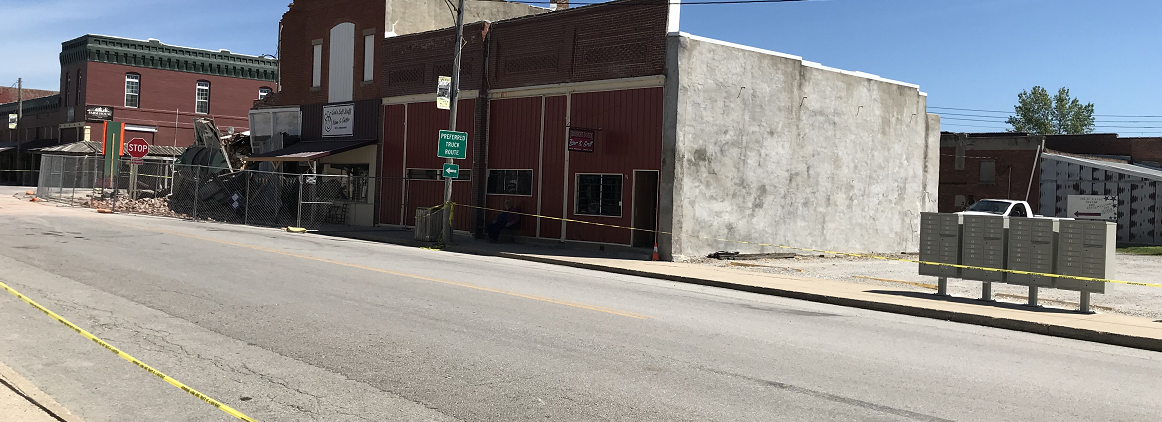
x=443 y=93
x=452 y=144
x=451 y=171
x=453 y=93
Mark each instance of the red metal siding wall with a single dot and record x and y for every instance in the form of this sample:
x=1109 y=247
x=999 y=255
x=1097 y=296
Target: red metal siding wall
x=629 y=137
x=552 y=175
x=424 y=122
x=514 y=143
x=391 y=183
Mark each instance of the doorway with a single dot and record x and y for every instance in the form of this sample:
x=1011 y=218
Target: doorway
x=645 y=207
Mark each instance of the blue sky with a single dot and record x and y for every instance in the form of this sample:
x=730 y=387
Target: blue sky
x=973 y=54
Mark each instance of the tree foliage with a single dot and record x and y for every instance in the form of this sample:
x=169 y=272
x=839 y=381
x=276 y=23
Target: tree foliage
x=1038 y=113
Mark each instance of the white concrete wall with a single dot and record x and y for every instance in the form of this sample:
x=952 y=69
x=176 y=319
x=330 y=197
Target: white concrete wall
x=764 y=147
x=411 y=16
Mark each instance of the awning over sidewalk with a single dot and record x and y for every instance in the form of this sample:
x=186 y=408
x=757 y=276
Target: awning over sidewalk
x=310 y=150
x=94 y=148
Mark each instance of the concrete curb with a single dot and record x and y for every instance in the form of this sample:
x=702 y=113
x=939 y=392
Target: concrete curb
x=1144 y=343
x=1095 y=336
x=52 y=410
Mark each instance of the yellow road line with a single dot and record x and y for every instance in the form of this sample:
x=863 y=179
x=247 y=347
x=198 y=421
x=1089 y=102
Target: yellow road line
x=229 y=410
x=396 y=273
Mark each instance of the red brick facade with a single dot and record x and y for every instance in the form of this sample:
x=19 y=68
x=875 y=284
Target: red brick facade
x=167 y=96
x=93 y=72
x=311 y=20
x=1012 y=158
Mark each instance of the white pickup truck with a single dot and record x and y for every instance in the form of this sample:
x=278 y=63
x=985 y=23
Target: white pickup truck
x=1002 y=207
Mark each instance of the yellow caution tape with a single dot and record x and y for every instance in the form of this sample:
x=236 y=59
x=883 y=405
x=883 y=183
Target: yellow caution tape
x=229 y=410
x=1104 y=280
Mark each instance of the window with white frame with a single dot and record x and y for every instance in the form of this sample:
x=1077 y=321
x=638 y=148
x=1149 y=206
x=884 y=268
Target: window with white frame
x=263 y=92
x=435 y=174
x=599 y=194
x=202 y=104
x=510 y=182
x=317 y=65
x=132 y=90
x=368 y=57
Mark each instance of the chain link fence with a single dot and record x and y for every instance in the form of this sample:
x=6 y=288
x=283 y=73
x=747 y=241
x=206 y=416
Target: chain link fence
x=163 y=188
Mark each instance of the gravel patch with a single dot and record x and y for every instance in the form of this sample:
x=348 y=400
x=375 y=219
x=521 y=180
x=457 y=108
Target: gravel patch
x=903 y=276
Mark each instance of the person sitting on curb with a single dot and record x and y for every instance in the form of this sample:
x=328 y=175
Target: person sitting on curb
x=506 y=220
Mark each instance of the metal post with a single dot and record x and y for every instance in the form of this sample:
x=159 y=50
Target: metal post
x=942 y=286
x=19 y=124
x=1085 y=303
x=299 y=216
x=454 y=97
x=246 y=201
x=1033 y=295
x=196 y=183
x=113 y=184
x=987 y=291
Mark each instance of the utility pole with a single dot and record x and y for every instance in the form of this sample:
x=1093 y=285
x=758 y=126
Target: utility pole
x=19 y=121
x=454 y=97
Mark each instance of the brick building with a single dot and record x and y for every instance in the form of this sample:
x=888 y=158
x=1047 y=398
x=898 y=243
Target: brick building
x=10 y=94
x=156 y=89
x=607 y=114
x=975 y=166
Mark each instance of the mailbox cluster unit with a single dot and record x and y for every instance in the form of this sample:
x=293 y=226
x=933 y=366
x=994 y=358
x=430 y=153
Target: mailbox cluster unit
x=1045 y=245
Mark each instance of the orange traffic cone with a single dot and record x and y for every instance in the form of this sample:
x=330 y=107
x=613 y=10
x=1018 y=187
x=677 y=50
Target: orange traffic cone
x=655 y=256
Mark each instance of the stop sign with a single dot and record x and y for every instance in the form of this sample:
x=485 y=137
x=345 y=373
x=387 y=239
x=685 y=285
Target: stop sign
x=137 y=148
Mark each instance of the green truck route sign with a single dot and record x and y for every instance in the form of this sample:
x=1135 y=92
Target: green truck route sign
x=453 y=145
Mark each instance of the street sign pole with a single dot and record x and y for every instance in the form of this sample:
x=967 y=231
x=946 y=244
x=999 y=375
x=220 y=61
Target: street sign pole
x=454 y=97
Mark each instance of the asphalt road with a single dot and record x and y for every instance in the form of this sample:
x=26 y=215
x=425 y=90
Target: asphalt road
x=292 y=327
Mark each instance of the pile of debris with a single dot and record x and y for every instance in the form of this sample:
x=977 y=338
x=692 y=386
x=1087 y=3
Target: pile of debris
x=146 y=206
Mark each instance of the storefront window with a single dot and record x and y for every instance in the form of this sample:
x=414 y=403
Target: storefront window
x=599 y=194
x=510 y=182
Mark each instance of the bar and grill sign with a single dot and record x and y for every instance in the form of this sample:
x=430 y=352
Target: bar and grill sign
x=581 y=140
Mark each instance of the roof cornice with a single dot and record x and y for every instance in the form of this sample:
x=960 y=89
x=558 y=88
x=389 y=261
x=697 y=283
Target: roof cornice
x=153 y=54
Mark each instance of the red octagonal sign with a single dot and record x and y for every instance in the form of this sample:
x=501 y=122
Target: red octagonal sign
x=137 y=148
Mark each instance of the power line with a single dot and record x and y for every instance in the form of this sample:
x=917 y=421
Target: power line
x=1009 y=112
x=1101 y=125
x=654 y=3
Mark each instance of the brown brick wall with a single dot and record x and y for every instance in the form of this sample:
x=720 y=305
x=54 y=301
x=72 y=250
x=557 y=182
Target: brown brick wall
x=309 y=20
x=593 y=43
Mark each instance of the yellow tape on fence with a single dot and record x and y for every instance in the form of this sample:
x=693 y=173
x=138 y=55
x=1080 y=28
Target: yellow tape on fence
x=885 y=258
x=229 y=410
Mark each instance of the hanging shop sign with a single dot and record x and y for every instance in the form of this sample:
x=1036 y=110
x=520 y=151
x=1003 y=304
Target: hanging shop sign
x=581 y=140
x=338 y=120
x=98 y=113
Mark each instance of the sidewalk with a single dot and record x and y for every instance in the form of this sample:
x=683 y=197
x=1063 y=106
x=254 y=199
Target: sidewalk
x=1114 y=329
x=20 y=401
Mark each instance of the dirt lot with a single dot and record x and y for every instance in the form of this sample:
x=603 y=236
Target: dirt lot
x=1119 y=298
